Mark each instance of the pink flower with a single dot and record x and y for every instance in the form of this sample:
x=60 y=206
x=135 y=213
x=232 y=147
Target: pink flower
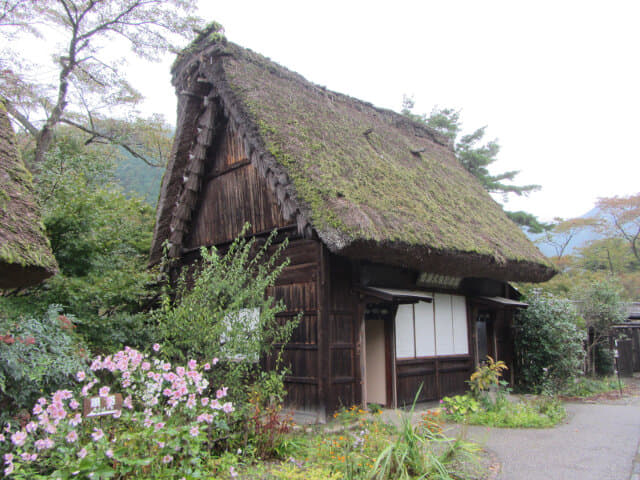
x=18 y=438
x=192 y=364
x=166 y=367
x=117 y=414
x=28 y=457
x=214 y=361
x=43 y=444
x=72 y=436
x=232 y=472
x=167 y=459
x=227 y=407
x=159 y=426
x=156 y=347
x=73 y=404
x=81 y=375
x=82 y=453
x=76 y=420
x=37 y=409
x=191 y=402
x=9 y=469
x=222 y=392
x=97 y=434
x=104 y=391
x=204 y=401
x=207 y=366
x=194 y=431
x=31 y=427
x=127 y=402
x=109 y=453
x=161 y=444
x=8 y=457
x=145 y=366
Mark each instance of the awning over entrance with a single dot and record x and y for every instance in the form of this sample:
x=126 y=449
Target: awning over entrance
x=396 y=295
x=503 y=302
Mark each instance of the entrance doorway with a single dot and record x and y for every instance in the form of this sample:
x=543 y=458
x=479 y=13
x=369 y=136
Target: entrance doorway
x=377 y=333
x=485 y=338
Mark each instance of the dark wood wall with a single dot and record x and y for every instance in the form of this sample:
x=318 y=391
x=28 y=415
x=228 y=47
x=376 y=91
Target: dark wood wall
x=343 y=331
x=438 y=377
x=298 y=287
x=233 y=193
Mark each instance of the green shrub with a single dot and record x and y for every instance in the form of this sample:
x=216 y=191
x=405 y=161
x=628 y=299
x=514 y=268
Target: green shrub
x=587 y=386
x=37 y=356
x=458 y=408
x=537 y=413
x=220 y=309
x=548 y=344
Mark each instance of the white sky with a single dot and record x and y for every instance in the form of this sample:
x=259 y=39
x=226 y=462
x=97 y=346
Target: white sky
x=557 y=82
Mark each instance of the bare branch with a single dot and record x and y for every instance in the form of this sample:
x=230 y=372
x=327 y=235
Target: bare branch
x=20 y=118
x=111 y=139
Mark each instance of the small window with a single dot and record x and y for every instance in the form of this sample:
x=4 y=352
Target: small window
x=432 y=329
x=237 y=337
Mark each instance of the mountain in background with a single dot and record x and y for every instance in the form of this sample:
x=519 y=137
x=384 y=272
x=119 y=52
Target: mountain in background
x=136 y=177
x=581 y=239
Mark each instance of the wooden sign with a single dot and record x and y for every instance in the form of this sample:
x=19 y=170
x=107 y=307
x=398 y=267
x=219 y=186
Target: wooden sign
x=97 y=406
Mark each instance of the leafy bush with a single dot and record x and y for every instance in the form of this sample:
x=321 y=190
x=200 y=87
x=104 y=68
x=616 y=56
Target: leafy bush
x=486 y=376
x=417 y=453
x=37 y=356
x=164 y=429
x=220 y=309
x=586 y=386
x=538 y=413
x=548 y=344
x=458 y=408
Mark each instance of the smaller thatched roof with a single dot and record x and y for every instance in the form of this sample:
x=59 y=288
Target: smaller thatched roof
x=25 y=254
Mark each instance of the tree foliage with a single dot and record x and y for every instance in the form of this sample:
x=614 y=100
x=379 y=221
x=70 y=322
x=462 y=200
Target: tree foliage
x=476 y=156
x=600 y=305
x=562 y=232
x=99 y=237
x=620 y=217
x=90 y=79
x=548 y=343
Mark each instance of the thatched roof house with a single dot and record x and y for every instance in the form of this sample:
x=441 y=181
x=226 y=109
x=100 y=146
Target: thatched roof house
x=25 y=254
x=395 y=248
x=359 y=176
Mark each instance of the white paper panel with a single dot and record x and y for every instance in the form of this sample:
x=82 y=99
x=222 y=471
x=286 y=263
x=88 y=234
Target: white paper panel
x=459 y=308
x=425 y=341
x=444 y=324
x=404 y=332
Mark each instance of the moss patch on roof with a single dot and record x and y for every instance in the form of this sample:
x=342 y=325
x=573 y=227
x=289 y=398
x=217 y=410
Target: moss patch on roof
x=368 y=174
x=25 y=254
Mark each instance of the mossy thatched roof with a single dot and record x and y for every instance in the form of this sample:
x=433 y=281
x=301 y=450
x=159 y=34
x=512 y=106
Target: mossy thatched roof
x=372 y=183
x=25 y=254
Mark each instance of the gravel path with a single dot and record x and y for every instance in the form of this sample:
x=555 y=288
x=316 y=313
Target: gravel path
x=598 y=441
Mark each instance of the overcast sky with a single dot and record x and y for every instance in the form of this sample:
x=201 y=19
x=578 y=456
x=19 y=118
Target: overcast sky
x=557 y=83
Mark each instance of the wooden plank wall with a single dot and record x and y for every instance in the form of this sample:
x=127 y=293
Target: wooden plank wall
x=344 y=383
x=233 y=193
x=438 y=376
x=297 y=287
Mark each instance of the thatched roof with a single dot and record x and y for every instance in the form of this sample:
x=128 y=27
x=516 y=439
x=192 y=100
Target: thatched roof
x=25 y=254
x=370 y=182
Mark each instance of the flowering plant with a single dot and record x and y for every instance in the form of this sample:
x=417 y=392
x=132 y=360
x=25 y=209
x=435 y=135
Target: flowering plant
x=164 y=424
